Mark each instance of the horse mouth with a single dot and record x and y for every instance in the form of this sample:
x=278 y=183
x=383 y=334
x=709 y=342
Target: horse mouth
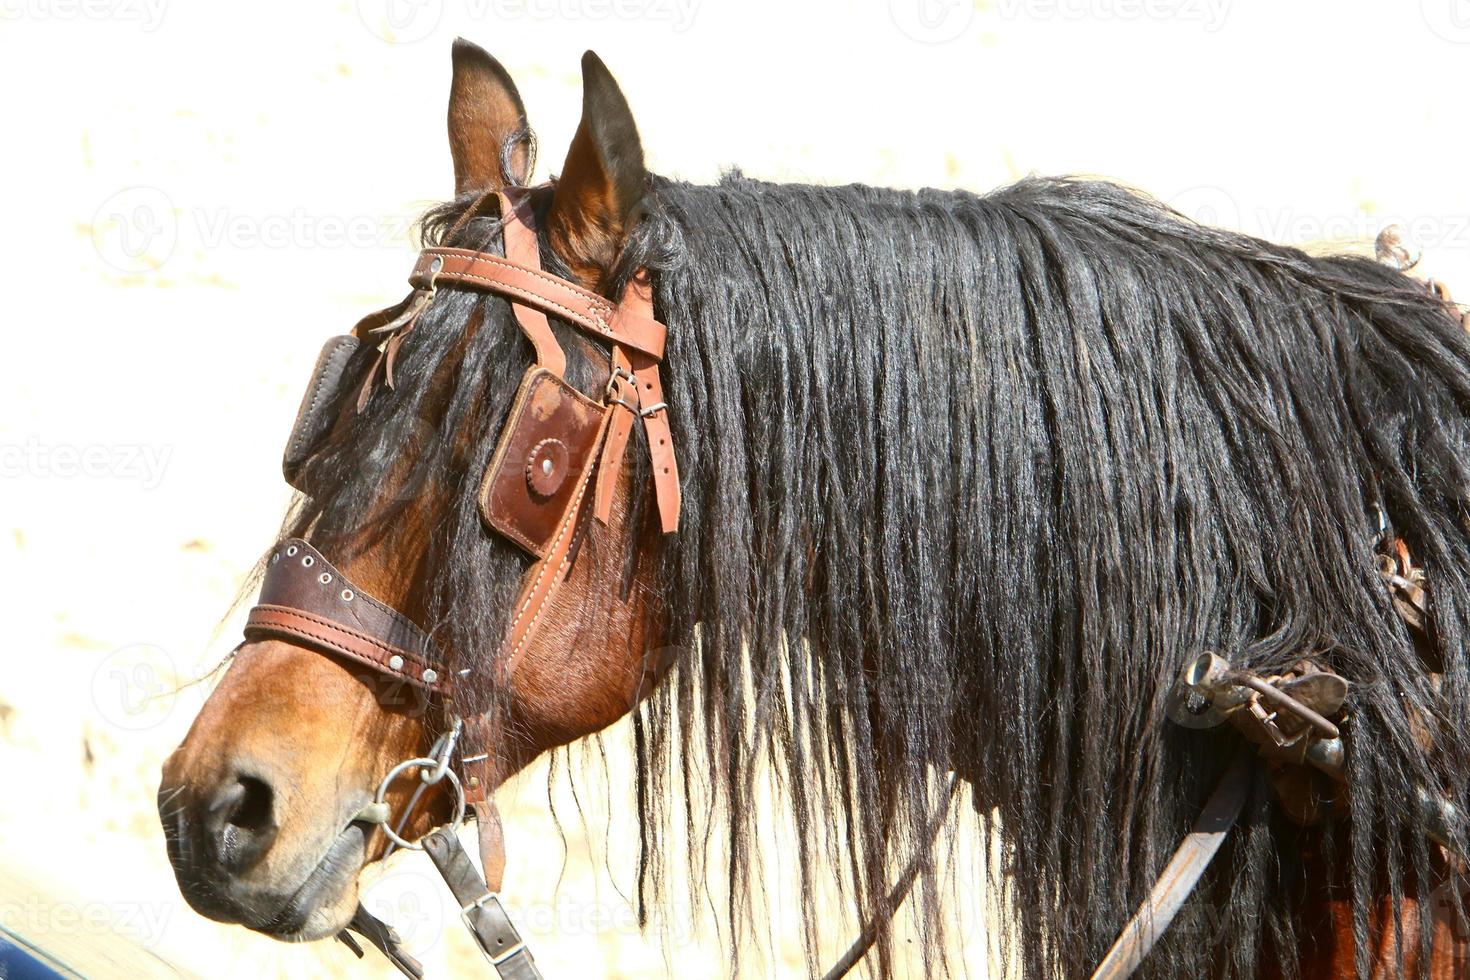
x=304 y=916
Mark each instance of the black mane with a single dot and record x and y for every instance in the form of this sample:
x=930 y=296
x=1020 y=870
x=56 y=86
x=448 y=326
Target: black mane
x=967 y=480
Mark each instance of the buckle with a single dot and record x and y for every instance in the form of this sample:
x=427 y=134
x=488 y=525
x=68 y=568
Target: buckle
x=511 y=945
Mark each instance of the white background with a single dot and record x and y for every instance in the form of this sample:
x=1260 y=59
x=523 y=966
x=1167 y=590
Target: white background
x=196 y=194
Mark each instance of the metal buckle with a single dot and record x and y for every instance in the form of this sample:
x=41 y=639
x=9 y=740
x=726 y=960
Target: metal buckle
x=480 y=903
x=612 y=379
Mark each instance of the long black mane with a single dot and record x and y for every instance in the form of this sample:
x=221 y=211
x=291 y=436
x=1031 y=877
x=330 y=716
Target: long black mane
x=967 y=480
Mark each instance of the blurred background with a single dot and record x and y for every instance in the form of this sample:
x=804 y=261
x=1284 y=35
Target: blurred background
x=174 y=169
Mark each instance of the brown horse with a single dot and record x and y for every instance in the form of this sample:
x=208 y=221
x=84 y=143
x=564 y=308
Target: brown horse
x=966 y=480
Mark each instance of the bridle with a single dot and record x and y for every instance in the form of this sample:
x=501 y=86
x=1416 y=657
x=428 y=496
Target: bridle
x=555 y=467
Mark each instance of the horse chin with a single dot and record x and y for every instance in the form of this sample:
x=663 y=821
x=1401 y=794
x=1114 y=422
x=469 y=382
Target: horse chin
x=327 y=899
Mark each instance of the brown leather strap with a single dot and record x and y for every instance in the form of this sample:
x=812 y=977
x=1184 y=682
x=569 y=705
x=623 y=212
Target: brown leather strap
x=623 y=396
x=305 y=599
x=548 y=293
x=480 y=908
x=521 y=247
x=638 y=301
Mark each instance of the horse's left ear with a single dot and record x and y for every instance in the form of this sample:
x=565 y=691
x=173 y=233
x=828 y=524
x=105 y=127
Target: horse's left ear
x=602 y=181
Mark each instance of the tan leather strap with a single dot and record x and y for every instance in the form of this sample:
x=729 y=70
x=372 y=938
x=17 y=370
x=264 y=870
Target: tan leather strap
x=543 y=578
x=635 y=388
x=546 y=292
x=305 y=599
x=653 y=410
x=521 y=247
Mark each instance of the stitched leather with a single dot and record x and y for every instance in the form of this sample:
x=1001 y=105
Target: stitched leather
x=522 y=248
x=546 y=408
x=305 y=599
x=313 y=417
x=548 y=293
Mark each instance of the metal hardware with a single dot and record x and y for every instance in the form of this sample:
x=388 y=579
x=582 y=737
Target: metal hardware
x=381 y=797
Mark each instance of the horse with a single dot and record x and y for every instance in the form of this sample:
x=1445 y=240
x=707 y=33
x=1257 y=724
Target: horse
x=963 y=481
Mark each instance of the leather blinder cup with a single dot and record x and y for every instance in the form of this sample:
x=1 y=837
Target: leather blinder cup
x=548 y=440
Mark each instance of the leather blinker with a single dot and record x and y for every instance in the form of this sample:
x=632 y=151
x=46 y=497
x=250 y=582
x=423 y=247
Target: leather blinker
x=551 y=434
x=318 y=406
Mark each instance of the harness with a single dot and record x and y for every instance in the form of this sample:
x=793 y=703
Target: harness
x=556 y=466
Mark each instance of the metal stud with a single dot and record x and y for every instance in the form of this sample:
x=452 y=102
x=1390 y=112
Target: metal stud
x=307 y=561
x=430 y=676
x=291 y=551
x=275 y=557
x=325 y=578
x=395 y=662
x=347 y=595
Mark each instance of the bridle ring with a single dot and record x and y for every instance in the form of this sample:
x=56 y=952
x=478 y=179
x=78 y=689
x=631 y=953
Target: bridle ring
x=382 y=793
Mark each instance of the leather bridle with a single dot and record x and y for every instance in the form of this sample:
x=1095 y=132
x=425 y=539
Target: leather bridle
x=556 y=466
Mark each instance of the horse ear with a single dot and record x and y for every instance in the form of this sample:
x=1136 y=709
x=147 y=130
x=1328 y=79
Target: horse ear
x=488 y=135
x=602 y=180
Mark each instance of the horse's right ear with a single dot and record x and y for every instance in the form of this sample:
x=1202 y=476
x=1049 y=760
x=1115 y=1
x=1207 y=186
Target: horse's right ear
x=488 y=134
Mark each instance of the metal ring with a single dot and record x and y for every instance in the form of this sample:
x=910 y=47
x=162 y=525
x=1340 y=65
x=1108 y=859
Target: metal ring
x=382 y=793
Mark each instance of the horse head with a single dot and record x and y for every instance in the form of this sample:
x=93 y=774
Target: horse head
x=268 y=802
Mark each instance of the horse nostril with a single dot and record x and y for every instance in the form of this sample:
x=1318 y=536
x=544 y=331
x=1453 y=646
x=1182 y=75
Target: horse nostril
x=242 y=822
x=253 y=811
